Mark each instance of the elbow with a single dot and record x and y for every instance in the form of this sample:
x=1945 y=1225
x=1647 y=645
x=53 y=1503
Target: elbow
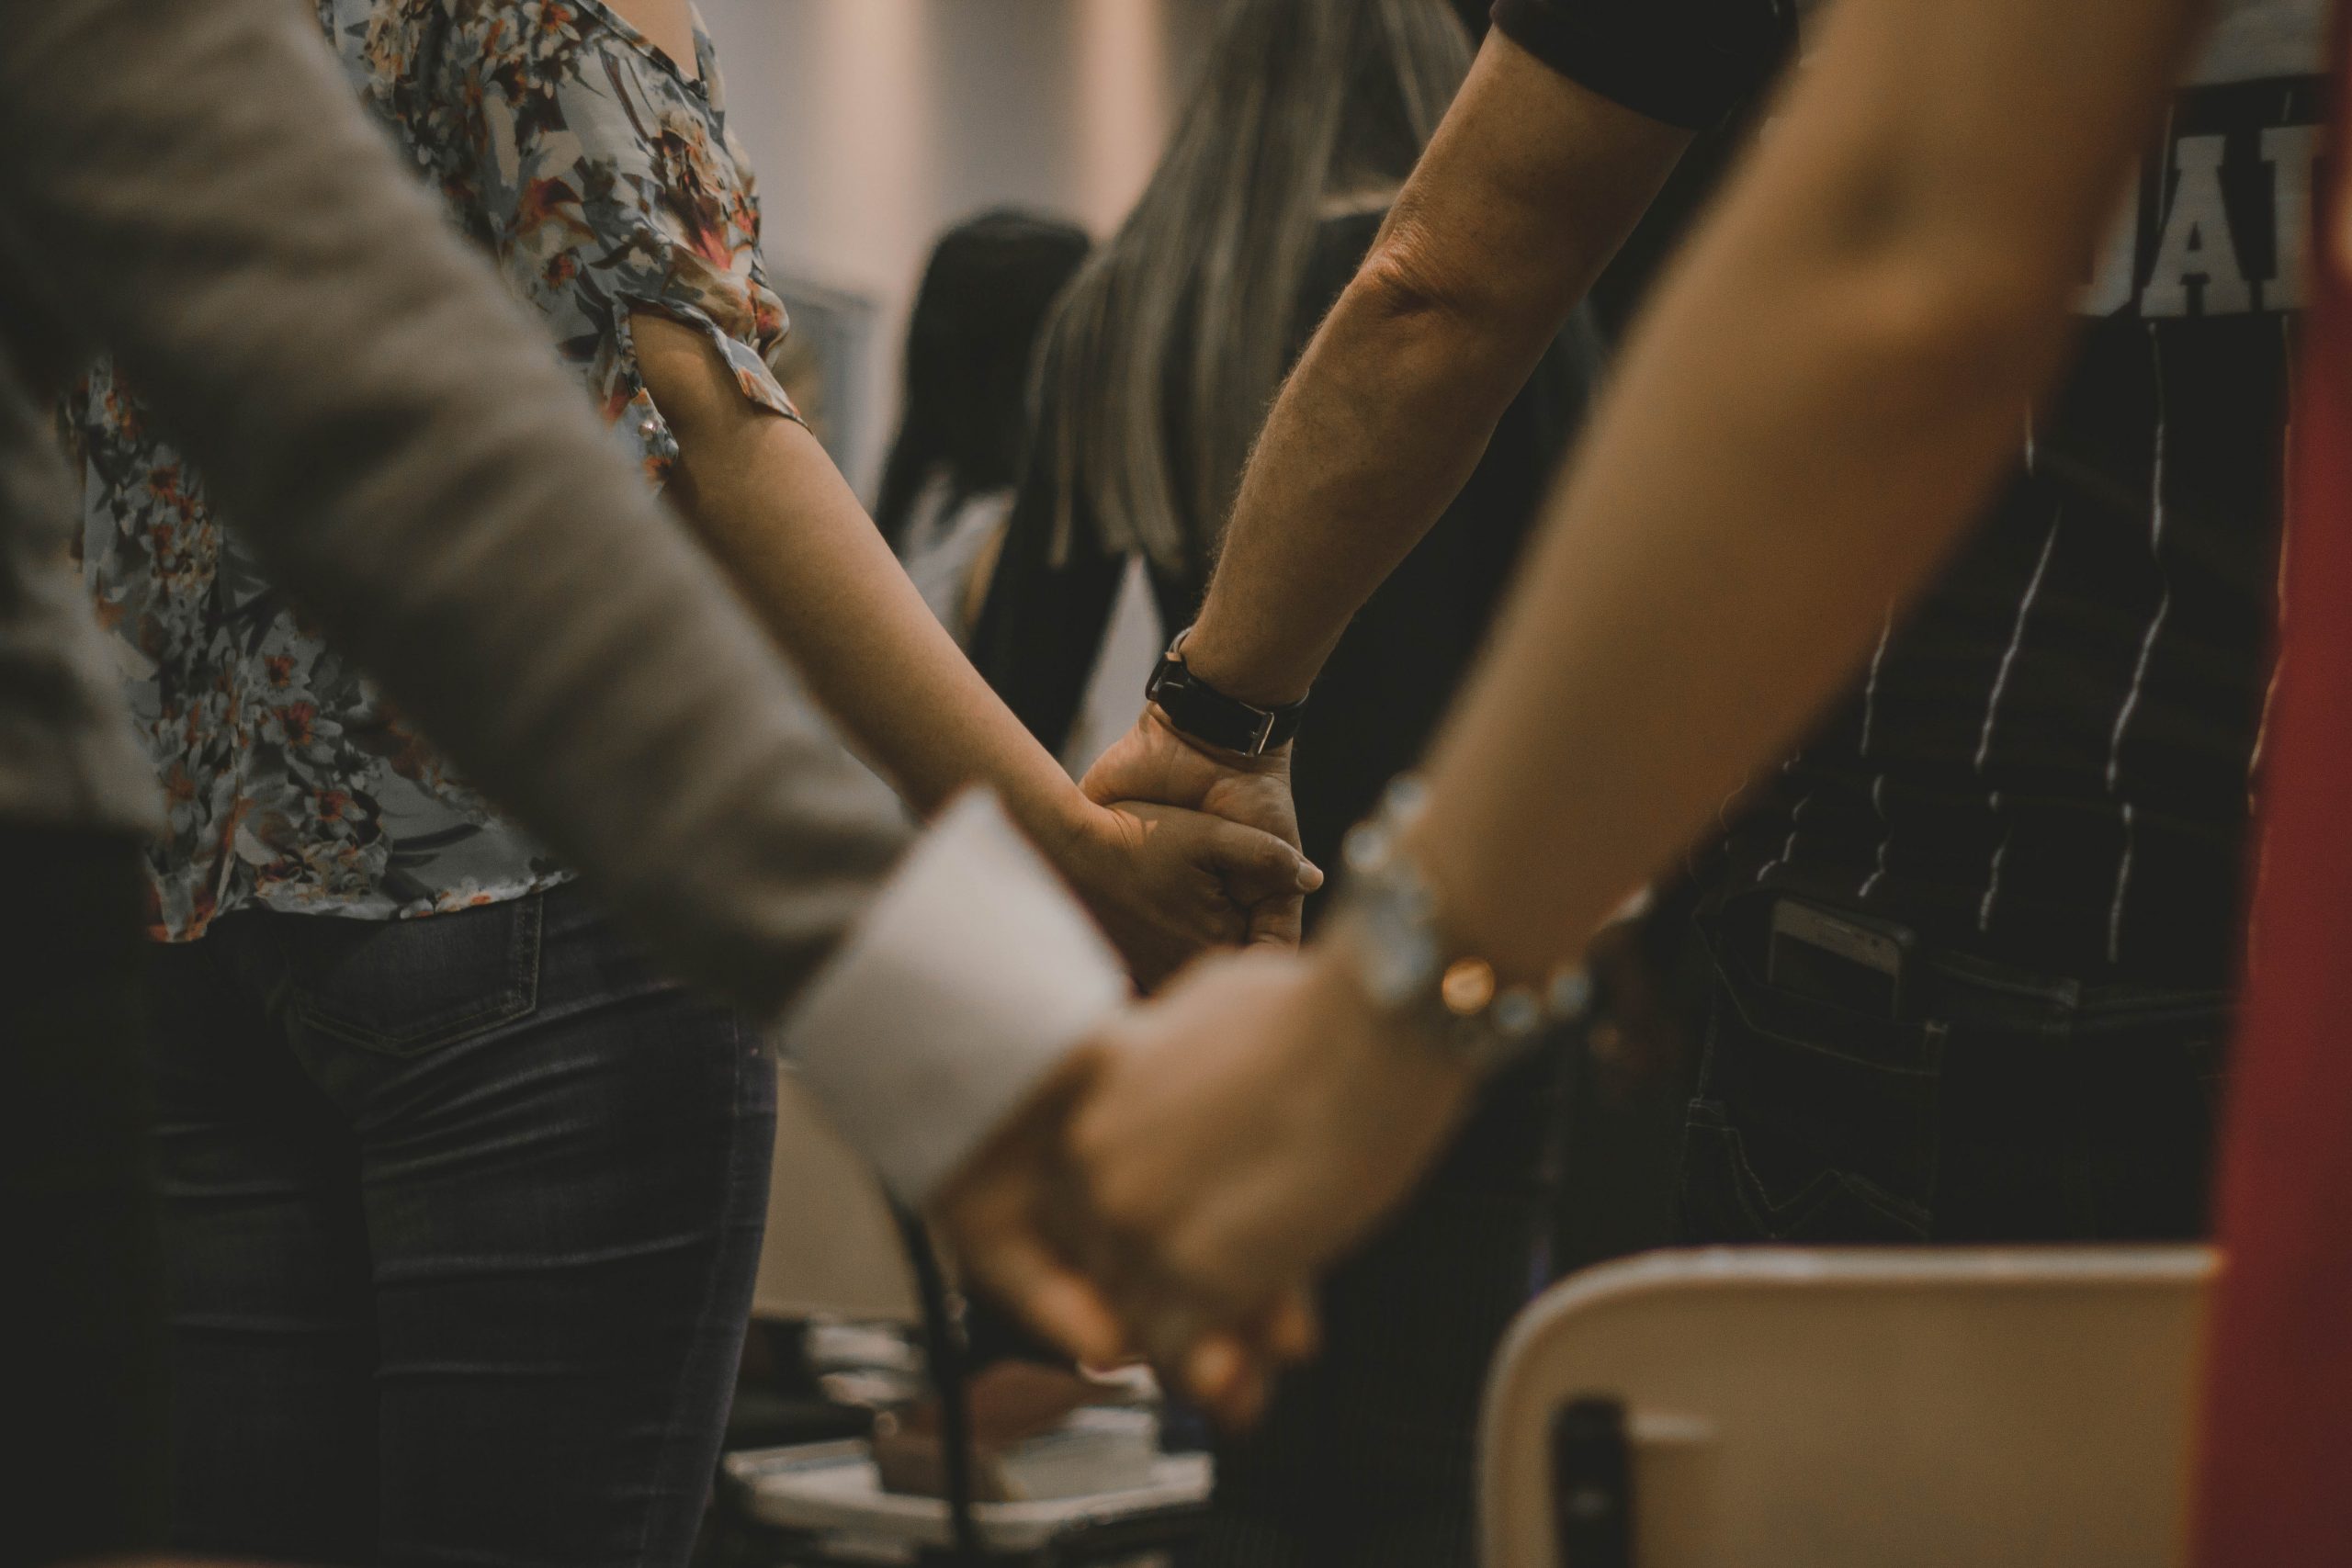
x=1433 y=336
x=691 y=386
x=1399 y=281
x=1937 y=285
x=1957 y=323
x=1411 y=289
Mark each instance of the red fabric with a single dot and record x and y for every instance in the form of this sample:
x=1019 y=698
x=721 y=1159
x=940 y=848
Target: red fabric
x=2275 y=1478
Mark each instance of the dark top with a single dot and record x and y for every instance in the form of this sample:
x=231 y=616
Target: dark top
x=1394 y=672
x=2049 y=761
x=1686 y=63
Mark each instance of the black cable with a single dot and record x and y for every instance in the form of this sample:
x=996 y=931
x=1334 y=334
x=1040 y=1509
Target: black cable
x=945 y=1353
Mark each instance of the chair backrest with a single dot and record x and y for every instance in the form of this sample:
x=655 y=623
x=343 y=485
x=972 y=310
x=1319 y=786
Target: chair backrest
x=831 y=1248
x=1864 y=1408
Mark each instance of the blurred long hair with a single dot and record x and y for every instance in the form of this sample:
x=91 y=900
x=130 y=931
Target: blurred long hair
x=986 y=293
x=1167 y=351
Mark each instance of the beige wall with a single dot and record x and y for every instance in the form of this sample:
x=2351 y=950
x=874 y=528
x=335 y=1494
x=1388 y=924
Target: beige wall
x=876 y=123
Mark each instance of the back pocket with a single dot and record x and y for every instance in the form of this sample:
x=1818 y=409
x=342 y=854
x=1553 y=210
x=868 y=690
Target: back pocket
x=1813 y=1122
x=404 y=987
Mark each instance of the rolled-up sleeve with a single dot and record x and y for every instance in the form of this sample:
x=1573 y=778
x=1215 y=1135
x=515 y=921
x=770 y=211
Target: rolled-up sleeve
x=605 y=186
x=1682 y=63
x=964 y=984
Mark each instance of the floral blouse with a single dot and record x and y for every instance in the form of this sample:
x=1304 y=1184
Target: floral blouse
x=600 y=179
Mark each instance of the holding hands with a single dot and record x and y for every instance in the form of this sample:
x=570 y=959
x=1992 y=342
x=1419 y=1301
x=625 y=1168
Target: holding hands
x=1175 y=1191
x=1178 y=1190
x=1207 y=1155
x=1168 y=881
x=1155 y=761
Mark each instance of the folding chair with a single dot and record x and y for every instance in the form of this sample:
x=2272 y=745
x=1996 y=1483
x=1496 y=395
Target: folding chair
x=831 y=1249
x=1851 y=1408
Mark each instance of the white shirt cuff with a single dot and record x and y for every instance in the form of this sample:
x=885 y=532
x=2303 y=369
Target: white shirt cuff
x=970 y=977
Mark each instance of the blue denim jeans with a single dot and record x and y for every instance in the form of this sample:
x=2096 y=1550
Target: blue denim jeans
x=462 y=1217
x=1999 y=1106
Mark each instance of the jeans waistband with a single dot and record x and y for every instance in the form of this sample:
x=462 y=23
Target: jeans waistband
x=1939 y=978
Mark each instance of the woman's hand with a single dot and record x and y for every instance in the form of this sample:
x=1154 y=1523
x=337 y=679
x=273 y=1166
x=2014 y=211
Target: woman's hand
x=1167 y=883
x=1235 y=1137
x=1019 y=1218
x=1154 y=763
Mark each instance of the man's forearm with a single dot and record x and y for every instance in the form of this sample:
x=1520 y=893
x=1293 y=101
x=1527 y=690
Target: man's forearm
x=1527 y=189
x=1379 y=428
x=1814 y=410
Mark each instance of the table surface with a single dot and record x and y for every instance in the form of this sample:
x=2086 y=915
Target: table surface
x=834 y=1488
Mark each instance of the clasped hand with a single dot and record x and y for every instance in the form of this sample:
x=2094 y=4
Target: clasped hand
x=1176 y=853
x=1176 y=1190
x=1153 y=761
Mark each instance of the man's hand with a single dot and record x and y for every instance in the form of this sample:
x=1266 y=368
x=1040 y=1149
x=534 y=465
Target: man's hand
x=1236 y=1137
x=1017 y=1217
x=1154 y=763
x=1168 y=883
x=1178 y=1190
x=1000 y=1212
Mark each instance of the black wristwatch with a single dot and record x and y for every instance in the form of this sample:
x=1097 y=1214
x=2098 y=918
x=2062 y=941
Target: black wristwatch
x=1200 y=711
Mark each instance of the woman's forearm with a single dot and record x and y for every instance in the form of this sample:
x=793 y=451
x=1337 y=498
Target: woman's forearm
x=767 y=501
x=1821 y=400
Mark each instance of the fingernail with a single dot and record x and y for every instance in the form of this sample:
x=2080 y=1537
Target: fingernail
x=1310 y=876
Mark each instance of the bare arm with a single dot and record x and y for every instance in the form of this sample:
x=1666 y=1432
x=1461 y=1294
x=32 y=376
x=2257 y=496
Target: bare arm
x=768 y=499
x=1528 y=187
x=669 y=24
x=1830 y=386
x=769 y=504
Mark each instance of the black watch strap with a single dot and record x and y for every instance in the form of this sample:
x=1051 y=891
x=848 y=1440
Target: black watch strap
x=1200 y=711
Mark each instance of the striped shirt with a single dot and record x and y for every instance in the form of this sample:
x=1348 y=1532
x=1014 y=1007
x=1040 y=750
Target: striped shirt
x=2049 y=759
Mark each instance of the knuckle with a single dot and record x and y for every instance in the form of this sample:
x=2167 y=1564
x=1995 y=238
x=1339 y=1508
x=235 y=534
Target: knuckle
x=1128 y=1208
x=1124 y=1200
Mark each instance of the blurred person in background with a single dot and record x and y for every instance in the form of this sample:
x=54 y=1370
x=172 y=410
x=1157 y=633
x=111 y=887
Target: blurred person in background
x=948 y=483
x=1157 y=365
x=463 y=1194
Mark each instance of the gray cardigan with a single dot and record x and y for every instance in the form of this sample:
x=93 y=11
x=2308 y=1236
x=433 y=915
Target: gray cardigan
x=192 y=183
